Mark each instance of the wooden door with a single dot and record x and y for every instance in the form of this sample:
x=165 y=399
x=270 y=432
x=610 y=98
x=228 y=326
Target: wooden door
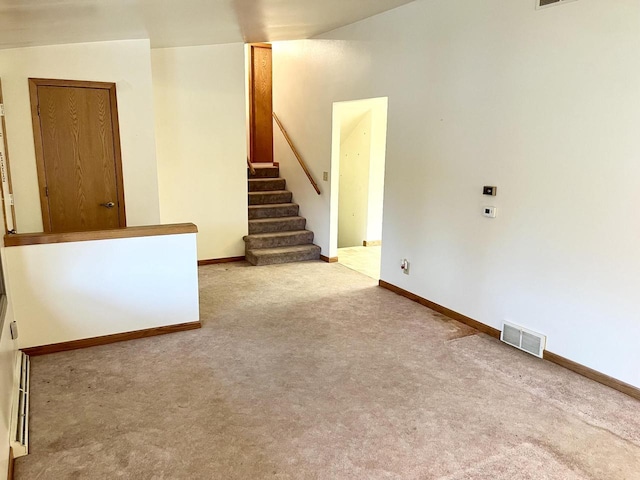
x=77 y=143
x=261 y=105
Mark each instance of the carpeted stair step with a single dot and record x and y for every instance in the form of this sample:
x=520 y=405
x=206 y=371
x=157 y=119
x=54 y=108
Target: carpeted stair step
x=264 y=172
x=278 y=239
x=276 y=231
x=263 y=198
x=271 y=256
x=266 y=184
x=273 y=211
x=270 y=225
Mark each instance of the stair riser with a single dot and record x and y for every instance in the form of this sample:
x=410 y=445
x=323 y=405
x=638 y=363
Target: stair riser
x=267 y=186
x=277 y=226
x=273 y=212
x=288 y=258
x=265 y=172
x=280 y=241
x=269 y=198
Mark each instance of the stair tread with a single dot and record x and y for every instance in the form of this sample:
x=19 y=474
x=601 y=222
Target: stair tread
x=267 y=184
x=273 y=205
x=277 y=234
x=275 y=219
x=283 y=250
x=270 y=192
x=264 y=172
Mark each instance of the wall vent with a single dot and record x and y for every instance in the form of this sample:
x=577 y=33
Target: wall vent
x=523 y=339
x=550 y=3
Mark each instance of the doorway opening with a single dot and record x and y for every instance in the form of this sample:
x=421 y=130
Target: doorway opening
x=357 y=183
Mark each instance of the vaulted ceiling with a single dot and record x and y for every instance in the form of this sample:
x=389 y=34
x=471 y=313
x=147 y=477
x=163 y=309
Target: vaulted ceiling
x=177 y=22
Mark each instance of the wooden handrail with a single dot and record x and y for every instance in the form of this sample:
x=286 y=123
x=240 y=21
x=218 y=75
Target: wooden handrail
x=250 y=165
x=295 y=152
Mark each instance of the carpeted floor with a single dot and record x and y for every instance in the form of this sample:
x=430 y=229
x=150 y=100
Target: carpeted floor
x=311 y=371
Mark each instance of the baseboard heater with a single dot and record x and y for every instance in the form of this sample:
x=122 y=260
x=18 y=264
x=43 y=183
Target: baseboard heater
x=20 y=416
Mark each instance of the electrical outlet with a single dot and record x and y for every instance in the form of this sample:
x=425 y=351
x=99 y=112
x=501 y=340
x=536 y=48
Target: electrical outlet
x=325 y=176
x=404 y=265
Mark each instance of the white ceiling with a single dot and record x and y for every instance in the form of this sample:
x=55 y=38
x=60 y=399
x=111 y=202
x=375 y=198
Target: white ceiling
x=171 y=23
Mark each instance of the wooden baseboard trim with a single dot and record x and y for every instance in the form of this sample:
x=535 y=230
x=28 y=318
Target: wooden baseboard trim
x=593 y=374
x=329 y=259
x=549 y=356
x=106 y=339
x=443 y=310
x=371 y=243
x=216 y=261
x=11 y=464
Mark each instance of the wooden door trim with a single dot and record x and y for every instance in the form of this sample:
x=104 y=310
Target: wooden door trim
x=37 y=142
x=34 y=83
x=8 y=173
x=115 y=126
x=54 y=82
x=252 y=139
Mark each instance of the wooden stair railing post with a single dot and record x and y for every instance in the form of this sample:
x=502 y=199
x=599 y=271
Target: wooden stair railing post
x=295 y=152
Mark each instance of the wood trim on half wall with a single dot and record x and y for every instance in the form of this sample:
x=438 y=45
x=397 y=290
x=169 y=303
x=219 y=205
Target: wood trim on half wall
x=329 y=259
x=549 y=356
x=216 y=261
x=106 y=339
x=25 y=239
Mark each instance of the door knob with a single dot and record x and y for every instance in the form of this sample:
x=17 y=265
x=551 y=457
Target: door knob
x=108 y=205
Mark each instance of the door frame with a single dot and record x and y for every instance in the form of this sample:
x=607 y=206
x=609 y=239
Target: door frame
x=34 y=83
x=379 y=106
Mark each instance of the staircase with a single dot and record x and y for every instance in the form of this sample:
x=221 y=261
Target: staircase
x=276 y=232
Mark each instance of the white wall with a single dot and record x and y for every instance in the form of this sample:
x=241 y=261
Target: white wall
x=353 y=199
x=315 y=208
x=201 y=142
x=69 y=291
x=127 y=63
x=543 y=104
x=8 y=350
x=376 y=168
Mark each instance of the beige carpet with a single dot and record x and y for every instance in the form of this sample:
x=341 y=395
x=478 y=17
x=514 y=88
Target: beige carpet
x=311 y=371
